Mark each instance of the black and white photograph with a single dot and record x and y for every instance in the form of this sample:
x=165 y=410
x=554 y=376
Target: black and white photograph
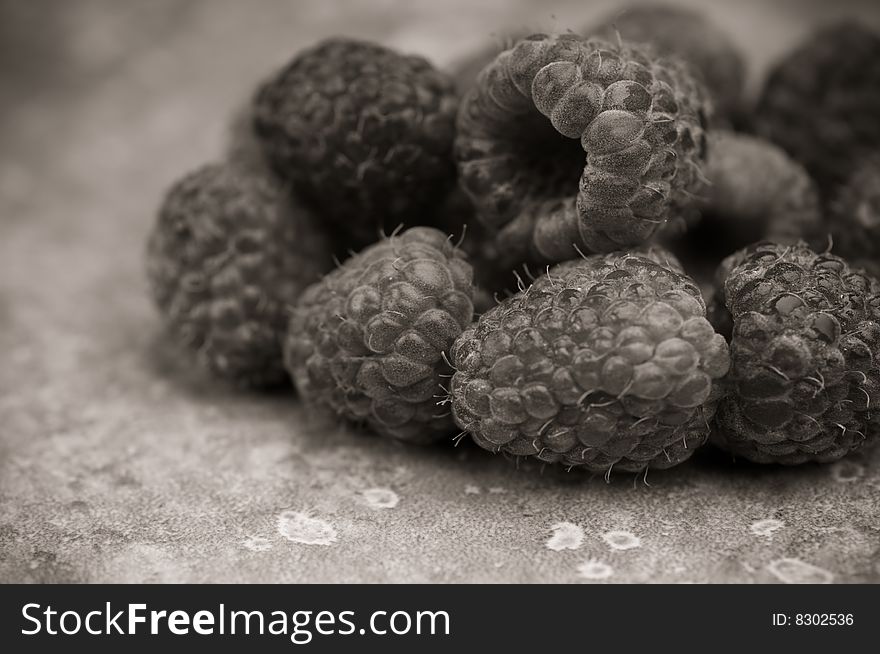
x=439 y=292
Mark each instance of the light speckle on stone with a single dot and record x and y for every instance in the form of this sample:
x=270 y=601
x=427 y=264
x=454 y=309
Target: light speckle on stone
x=621 y=540
x=595 y=570
x=470 y=489
x=795 y=571
x=766 y=527
x=257 y=544
x=566 y=536
x=497 y=490
x=300 y=527
x=380 y=498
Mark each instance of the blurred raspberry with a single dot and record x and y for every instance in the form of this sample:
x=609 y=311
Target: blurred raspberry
x=364 y=133
x=855 y=217
x=756 y=192
x=229 y=252
x=760 y=193
x=821 y=102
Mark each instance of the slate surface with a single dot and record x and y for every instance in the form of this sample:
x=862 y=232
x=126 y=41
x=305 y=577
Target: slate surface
x=120 y=462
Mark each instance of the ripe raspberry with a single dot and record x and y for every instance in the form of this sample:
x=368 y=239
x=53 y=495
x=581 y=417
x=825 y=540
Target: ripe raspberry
x=805 y=356
x=367 y=342
x=364 y=133
x=492 y=277
x=228 y=254
x=855 y=217
x=661 y=256
x=556 y=109
x=603 y=362
x=821 y=104
x=692 y=37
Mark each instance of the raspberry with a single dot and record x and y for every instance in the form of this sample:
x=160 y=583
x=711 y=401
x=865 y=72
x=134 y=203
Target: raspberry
x=855 y=217
x=228 y=254
x=603 y=362
x=821 y=104
x=363 y=132
x=368 y=341
x=692 y=37
x=756 y=192
x=805 y=356
x=553 y=110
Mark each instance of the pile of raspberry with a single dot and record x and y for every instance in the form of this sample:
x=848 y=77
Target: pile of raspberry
x=589 y=248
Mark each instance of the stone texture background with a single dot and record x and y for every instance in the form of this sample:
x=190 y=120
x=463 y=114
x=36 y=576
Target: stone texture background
x=121 y=463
